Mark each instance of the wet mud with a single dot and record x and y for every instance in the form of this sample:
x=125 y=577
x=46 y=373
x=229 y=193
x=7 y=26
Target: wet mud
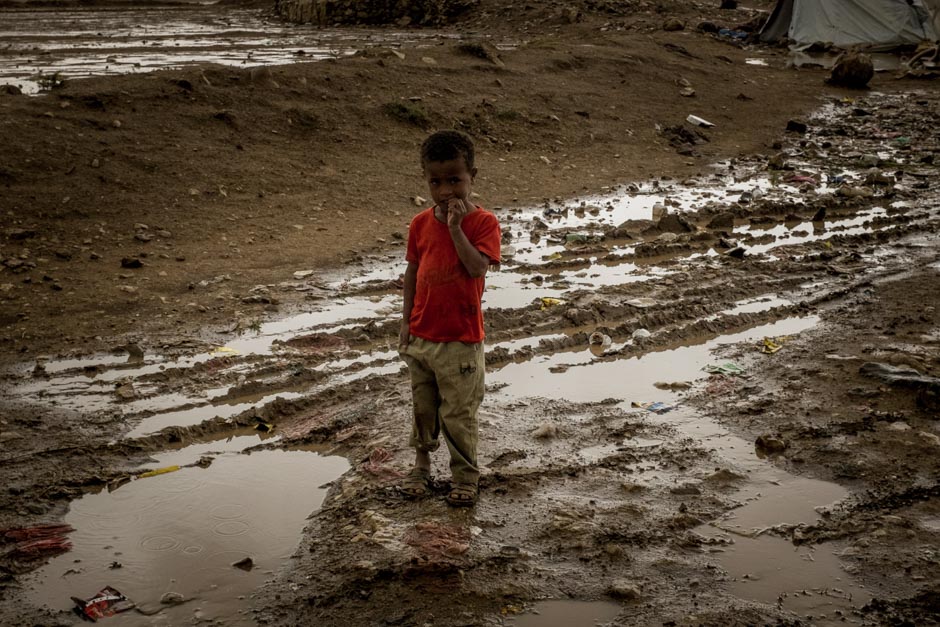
x=677 y=428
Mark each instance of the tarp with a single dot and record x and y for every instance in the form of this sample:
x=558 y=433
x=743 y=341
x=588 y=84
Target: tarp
x=879 y=24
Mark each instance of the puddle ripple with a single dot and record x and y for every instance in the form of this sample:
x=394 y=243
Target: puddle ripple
x=182 y=531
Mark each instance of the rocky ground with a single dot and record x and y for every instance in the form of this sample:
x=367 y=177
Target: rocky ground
x=806 y=258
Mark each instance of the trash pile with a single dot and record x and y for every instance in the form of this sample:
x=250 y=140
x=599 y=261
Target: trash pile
x=36 y=542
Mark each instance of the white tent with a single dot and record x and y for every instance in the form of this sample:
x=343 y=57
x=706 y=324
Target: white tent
x=878 y=24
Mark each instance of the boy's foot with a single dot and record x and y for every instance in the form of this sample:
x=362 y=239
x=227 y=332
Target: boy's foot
x=463 y=495
x=417 y=483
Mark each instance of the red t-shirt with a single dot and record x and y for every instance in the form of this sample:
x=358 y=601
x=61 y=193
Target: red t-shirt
x=447 y=299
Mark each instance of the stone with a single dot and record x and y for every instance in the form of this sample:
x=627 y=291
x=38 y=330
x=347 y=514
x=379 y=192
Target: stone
x=10 y=90
x=852 y=69
x=129 y=262
x=673 y=24
x=722 y=222
x=126 y=392
x=172 y=598
x=623 y=589
x=545 y=431
x=675 y=223
x=795 y=126
x=579 y=316
x=667 y=238
x=771 y=443
x=246 y=564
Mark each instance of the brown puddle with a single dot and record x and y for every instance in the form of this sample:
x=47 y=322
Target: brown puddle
x=557 y=613
x=182 y=531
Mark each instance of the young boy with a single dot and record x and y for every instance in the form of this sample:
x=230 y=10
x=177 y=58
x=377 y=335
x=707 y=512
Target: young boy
x=450 y=247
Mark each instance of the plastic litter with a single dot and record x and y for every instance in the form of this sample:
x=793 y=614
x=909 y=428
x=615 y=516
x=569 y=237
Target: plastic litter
x=900 y=375
x=733 y=34
x=438 y=541
x=37 y=542
x=377 y=466
x=728 y=368
x=551 y=302
x=655 y=407
x=642 y=303
x=641 y=334
x=223 y=350
x=599 y=339
x=771 y=345
x=158 y=471
x=107 y=602
x=697 y=121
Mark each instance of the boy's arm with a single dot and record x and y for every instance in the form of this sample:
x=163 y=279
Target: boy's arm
x=411 y=282
x=475 y=262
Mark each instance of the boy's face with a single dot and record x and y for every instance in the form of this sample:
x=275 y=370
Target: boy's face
x=449 y=180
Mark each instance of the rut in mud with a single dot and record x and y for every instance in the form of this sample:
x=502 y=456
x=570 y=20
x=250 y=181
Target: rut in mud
x=608 y=487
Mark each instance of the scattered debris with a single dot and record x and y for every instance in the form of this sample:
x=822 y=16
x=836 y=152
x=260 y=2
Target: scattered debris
x=108 y=602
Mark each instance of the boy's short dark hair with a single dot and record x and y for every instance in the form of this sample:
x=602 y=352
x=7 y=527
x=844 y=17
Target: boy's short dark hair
x=447 y=145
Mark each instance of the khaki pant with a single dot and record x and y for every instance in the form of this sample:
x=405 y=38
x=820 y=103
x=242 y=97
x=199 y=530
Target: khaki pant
x=446 y=391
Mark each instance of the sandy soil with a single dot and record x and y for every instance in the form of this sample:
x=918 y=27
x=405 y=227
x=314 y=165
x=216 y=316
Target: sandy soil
x=219 y=181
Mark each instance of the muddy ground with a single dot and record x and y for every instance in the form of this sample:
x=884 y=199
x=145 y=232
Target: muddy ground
x=818 y=245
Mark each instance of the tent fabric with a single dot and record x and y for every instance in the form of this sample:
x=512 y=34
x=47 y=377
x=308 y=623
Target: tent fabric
x=876 y=23
x=934 y=7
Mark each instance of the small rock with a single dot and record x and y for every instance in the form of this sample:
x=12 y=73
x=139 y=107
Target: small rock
x=172 y=598
x=128 y=262
x=667 y=238
x=641 y=334
x=852 y=69
x=673 y=24
x=707 y=27
x=771 y=443
x=623 y=589
x=579 y=316
x=143 y=237
x=674 y=223
x=117 y=124
x=546 y=431
x=246 y=564
x=722 y=221
x=795 y=126
x=428 y=60
x=418 y=201
x=126 y=392
x=303 y=274
x=130 y=289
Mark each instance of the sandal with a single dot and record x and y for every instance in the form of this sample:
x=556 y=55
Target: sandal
x=463 y=495
x=417 y=483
